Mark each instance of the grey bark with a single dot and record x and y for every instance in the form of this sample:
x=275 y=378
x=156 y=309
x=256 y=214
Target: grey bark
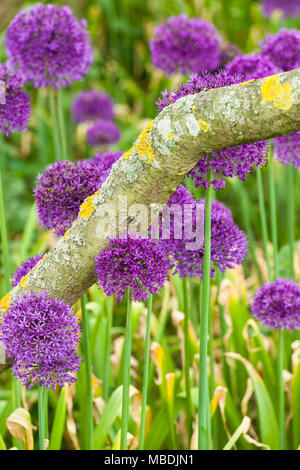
x=180 y=134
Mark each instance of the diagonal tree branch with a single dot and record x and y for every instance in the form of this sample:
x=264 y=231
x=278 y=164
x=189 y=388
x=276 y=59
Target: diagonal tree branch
x=152 y=169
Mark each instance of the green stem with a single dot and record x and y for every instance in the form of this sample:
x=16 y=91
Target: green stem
x=203 y=400
x=263 y=219
x=126 y=373
x=146 y=375
x=273 y=216
x=55 y=125
x=43 y=147
x=281 y=390
x=88 y=368
x=4 y=237
x=187 y=358
x=290 y=199
x=212 y=378
x=107 y=363
x=61 y=124
x=41 y=417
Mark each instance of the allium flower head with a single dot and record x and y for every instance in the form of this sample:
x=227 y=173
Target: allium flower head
x=24 y=269
x=277 y=304
x=91 y=105
x=134 y=262
x=103 y=133
x=105 y=160
x=41 y=335
x=283 y=48
x=185 y=45
x=287 y=7
x=15 y=108
x=228 y=244
x=287 y=149
x=231 y=161
x=49 y=45
x=62 y=188
x=252 y=66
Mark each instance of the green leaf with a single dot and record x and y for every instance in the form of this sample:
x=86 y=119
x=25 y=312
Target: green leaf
x=2 y=443
x=296 y=406
x=59 y=422
x=266 y=415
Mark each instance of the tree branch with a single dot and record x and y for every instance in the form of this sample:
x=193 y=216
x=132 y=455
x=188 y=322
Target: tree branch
x=150 y=172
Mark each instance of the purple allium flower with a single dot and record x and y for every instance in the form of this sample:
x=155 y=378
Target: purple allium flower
x=49 y=45
x=287 y=7
x=41 y=335
x=24 y=269
x=287 y=149
x=103 y=133
x=277 y=304
x=231 y=161
x=134 y=262
x=91 y=105
x=283 y=48
x=62 y=188
x=15 y=110
x=106 y=160
x=228 y=244
x=252 y=66
x=184 y=45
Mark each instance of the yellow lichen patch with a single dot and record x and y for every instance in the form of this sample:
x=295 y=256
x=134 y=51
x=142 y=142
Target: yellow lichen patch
x=245 y=83
x=67 y=233
x=4 y=303
x=87 y=207
x=24 y=279
x=170 y=136
x=128 y=154
x=280 y=95
x=204 y=126
x=142 y=146
x=181 y=173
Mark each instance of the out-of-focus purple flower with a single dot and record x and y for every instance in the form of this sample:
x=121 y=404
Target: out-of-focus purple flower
x=287 y=149
x=41 y=335
x=252 y=66
x=105 y=160
x=228 y=52
x=103 y=133
x=231 y=161
x=277 y=304
x=91 y=105
x=62 y=188
x=15 y=106
x=228 y=243
x=24 y=269
x=184 y=45
x=287 y=7
x=136 y=263
x=283 y=48
x=49 y=45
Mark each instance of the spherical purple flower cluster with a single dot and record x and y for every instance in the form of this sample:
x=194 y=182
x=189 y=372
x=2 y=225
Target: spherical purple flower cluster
x=105 y=160
x=287 y=149
x=91 y=105
x=283 y=49
x=185 y=45
x=15 y=106
x=136 y=263
x=252 y=66
x=231 y=161
x=277 y=304
x=287 y=7
x=49 y=45
x=41 y=335
x=103 y=133
x=24 y=269
x=228 y=243
x=62 y=188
